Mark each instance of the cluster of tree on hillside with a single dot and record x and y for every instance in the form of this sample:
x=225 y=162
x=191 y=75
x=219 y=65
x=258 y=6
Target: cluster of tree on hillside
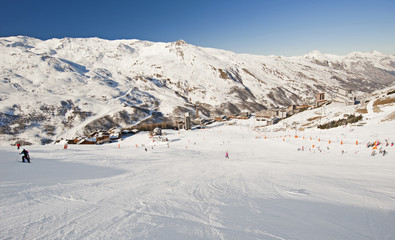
x=341 y=122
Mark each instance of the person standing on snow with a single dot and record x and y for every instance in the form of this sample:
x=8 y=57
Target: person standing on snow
x=226 y=155
x=18 y=145
x=25 y=156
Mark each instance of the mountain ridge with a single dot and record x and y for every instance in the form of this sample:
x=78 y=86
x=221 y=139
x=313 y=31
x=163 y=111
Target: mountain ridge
x=59 y=87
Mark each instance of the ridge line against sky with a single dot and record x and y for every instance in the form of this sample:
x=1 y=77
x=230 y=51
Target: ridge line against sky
x=260 y=27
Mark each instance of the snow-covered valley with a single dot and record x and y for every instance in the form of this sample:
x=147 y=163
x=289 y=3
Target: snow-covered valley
x=268 y=188
x=63 y=88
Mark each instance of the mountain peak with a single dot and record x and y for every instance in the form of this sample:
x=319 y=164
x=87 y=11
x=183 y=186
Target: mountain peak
x=375 y=52
x=371 y=54
x=314 y=54
x=180 y=43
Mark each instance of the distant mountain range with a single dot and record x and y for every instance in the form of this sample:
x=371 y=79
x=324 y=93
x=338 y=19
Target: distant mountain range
x=65 y=87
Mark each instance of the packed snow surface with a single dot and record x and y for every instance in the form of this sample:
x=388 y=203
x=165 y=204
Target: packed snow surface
x=187 y=189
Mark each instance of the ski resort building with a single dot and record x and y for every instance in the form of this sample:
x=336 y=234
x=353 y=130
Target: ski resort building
x=272 y=113
x=271 y=116
x=320 y=99
x=220 y=118
x=244 y=115
x=291 y=110
x=347 y=96
x=89 y=141
x=103 y=137
x=188 y=122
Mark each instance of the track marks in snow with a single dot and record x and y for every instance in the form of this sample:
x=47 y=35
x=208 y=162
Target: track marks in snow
x=210 y=192
x=261 y=192
x=302 y=192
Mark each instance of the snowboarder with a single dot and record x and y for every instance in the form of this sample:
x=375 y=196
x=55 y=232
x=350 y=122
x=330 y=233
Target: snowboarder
x=25 y=156
x=226 y=155
x=18 y=146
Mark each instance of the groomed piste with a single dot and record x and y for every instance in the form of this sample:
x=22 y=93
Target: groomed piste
x=275 y=185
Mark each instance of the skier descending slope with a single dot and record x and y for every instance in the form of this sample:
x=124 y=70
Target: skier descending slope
x=25 y=156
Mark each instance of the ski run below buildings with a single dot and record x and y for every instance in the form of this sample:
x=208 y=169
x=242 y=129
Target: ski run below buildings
x=276 y=184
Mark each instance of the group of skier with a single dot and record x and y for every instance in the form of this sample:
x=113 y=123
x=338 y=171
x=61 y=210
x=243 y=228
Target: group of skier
x=378 y=147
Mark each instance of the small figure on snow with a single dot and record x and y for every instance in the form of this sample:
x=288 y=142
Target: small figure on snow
x=25 y=156
x=226 y=155
x=18 y=146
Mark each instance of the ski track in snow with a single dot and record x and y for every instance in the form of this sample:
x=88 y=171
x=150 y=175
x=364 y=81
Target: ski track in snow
x=266 y=190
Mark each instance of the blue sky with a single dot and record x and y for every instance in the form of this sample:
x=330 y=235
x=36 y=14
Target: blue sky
x=275 y=27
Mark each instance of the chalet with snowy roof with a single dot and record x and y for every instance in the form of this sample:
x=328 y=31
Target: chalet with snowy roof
x=72 y=141
x=89 y=141
x=103 y=137
x=115 y=133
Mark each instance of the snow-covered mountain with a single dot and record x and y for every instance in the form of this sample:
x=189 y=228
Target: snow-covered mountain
x=63 y=87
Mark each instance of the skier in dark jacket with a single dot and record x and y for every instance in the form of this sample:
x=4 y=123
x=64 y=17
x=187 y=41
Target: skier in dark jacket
x=25 y=156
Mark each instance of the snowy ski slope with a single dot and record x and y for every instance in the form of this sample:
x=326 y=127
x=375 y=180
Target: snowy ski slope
x=187 y=189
